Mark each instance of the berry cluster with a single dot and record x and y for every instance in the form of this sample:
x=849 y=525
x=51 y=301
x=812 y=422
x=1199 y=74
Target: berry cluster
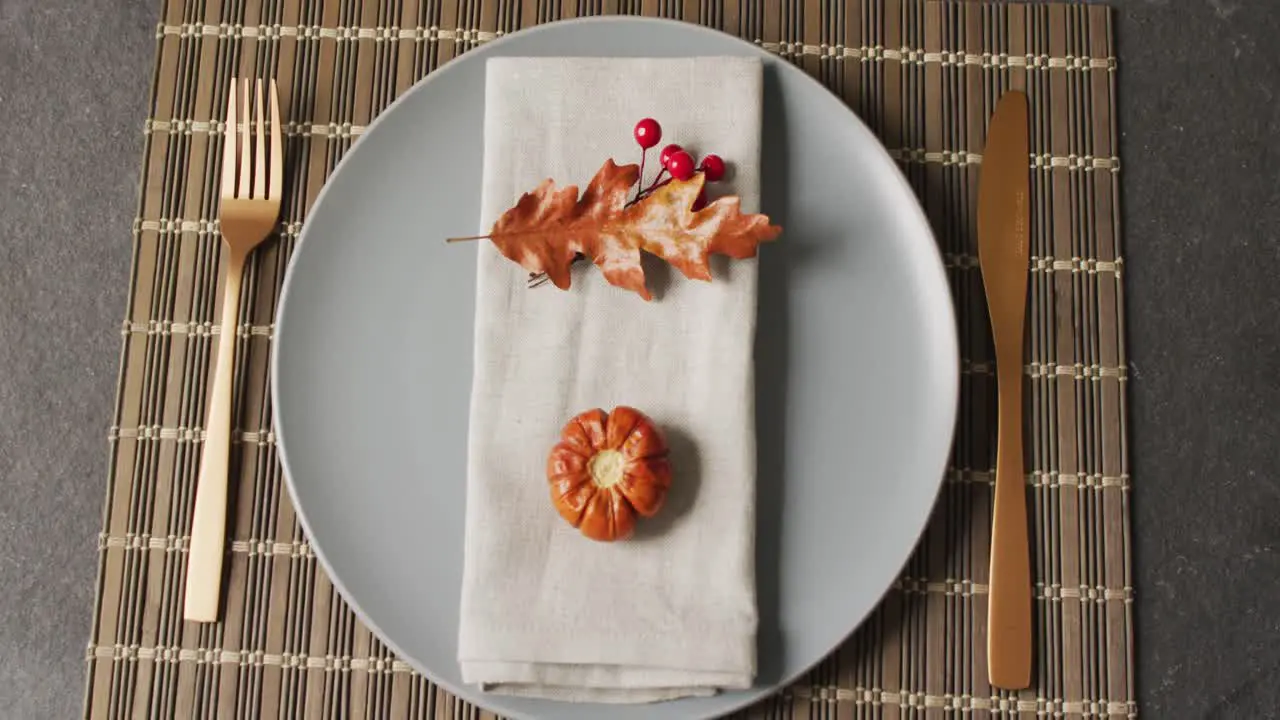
x=676 y=161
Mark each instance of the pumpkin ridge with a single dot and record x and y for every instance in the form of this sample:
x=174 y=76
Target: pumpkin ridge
x=616 y=432
x=573 y=488
x=573 y=447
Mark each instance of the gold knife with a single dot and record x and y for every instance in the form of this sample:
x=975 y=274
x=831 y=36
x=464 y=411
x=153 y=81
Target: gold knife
x=1003 y=239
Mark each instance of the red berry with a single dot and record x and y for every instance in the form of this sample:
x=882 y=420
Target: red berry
x=713 y=166
x=667 y=152
x=680 y=165
x=648 y=132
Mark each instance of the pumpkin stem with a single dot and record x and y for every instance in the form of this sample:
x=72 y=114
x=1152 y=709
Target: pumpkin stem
x=606 y=467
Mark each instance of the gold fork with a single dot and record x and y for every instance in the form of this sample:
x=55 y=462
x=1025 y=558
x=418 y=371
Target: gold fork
x=250 y=206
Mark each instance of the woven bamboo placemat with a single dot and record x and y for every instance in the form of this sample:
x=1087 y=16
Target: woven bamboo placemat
x=923 y=75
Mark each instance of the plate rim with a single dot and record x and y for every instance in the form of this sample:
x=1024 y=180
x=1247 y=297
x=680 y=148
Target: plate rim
x=936 y=268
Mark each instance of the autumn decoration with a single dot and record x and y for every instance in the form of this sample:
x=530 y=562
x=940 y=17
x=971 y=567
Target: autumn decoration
x=606 y=470
x=551 y=227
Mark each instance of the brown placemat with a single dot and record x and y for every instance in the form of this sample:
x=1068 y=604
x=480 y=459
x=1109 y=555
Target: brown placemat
x=924 y=76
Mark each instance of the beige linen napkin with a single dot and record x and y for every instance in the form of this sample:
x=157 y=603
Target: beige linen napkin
x=670 y=612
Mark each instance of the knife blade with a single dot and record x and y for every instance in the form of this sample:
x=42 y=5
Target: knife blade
x=1003 y=240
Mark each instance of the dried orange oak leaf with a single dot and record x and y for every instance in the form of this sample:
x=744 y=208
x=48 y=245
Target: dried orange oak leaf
x=548 y=226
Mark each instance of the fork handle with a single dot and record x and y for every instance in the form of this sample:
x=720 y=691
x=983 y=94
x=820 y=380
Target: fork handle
x=209 y=524
x=1009 y=611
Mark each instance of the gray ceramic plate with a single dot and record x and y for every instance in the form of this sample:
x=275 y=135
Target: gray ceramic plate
x=856 y=363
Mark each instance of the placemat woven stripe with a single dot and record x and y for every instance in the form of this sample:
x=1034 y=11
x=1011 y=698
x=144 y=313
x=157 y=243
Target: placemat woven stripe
x=924 y=75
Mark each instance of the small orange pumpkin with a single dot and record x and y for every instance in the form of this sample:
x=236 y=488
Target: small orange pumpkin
x=606 y=469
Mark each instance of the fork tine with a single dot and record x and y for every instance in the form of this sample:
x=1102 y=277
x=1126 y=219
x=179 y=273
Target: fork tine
x=229 y=145
x=260 y=166
x=246 y=150
x=275 y=186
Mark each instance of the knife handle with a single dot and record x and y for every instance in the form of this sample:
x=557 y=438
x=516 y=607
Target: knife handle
x=1009 y=609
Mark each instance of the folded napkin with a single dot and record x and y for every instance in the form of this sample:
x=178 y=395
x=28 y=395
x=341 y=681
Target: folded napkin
x=670 y=612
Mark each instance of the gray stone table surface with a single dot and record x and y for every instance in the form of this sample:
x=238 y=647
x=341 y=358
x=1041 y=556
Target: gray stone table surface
x=1200 y=120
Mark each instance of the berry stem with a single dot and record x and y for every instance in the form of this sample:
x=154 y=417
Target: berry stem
x=644 y=153
x=657 y=183
x=540 y=278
